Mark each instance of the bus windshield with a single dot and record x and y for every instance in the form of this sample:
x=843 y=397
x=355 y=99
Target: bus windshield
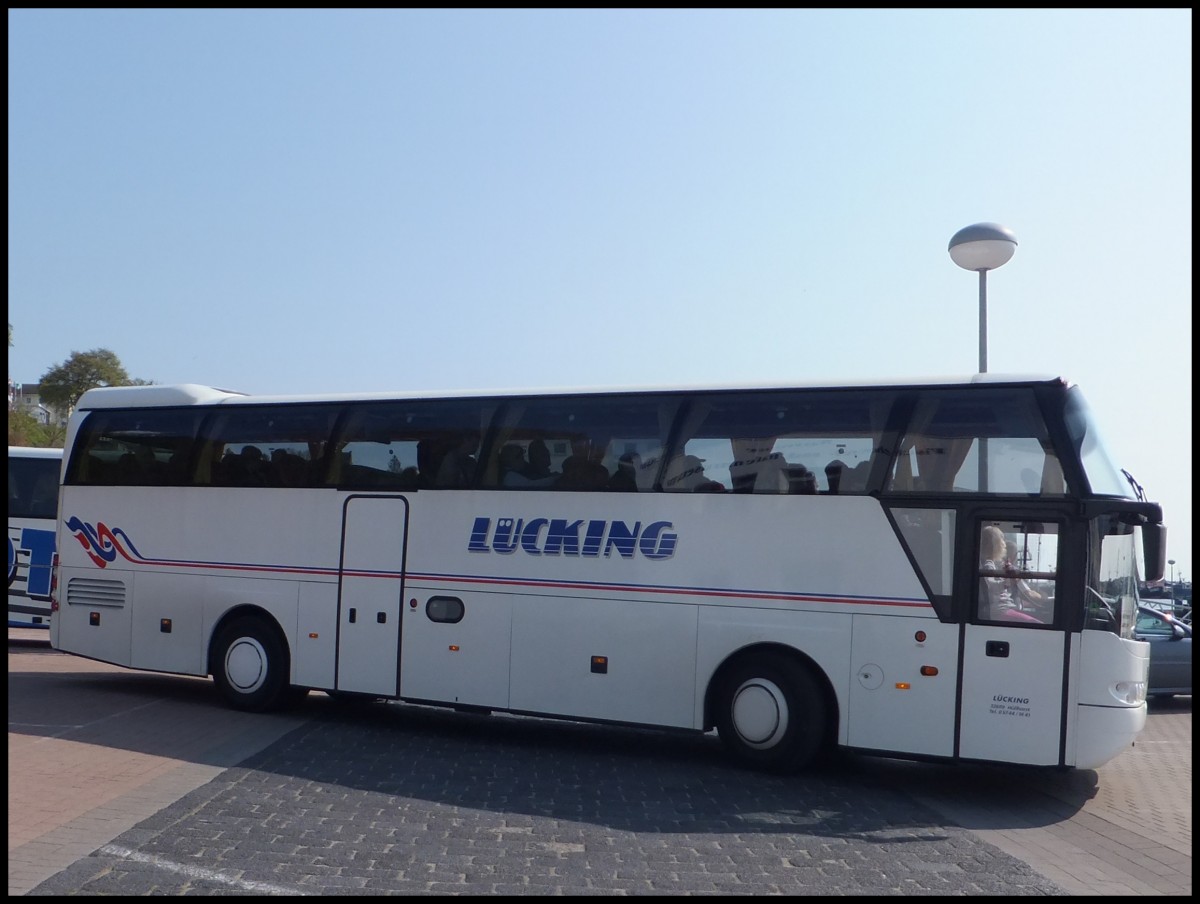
x=1104 y=476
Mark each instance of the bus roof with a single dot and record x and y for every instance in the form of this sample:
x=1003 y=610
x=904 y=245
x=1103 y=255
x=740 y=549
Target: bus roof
x=33 y=452
x=172 y=395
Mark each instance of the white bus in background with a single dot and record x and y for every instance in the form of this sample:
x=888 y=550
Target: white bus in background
x=33 y=478
x=800 y=568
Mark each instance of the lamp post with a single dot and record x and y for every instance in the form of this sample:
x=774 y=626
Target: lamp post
x=1171 y=562
x=982 y=247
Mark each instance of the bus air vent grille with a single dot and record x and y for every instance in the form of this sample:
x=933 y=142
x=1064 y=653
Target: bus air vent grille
x=91 y=592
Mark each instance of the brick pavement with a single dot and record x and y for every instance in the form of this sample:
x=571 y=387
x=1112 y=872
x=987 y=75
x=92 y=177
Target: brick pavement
x=400 y=800
x=199 y=799
x=1125 y=829
x=76 y=783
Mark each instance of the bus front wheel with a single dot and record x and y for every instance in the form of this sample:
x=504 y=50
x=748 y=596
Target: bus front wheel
x=250 y=665
x=771 y=714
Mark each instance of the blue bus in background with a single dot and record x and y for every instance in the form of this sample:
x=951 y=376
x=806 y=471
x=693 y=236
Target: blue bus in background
x=33 y=476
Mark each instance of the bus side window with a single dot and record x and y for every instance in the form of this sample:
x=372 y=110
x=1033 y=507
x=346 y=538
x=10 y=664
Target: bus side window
x=582 y=443
x=33 y=487
x=133 y=448
x=784 y=443
x=929 y=535
x=412 y=445
x=251 y=447
x=992 y=441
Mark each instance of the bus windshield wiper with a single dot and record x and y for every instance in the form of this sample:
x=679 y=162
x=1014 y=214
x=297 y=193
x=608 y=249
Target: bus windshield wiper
x=1137 y=487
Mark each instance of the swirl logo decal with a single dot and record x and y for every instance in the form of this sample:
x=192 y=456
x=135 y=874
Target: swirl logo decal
x=102 y=543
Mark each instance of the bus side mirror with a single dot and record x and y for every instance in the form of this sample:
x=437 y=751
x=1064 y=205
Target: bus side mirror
x=1154 y=551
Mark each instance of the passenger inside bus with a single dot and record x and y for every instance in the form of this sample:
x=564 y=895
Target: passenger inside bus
x=1022 y=592
x=457 y=469
x=801 y=481
x=996 y=599
x=515 y=471
x=581 y=470
x=854 y=480
x=512 y=464
x=624 y=479
x=290 y=469
x=833 y=476
x=539 y=459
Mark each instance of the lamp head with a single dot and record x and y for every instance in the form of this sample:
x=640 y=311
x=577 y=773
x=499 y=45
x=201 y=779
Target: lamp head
x=983 y=246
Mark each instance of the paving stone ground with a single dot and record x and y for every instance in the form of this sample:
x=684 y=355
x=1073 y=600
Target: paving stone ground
x=131 y=783
x=419 y=802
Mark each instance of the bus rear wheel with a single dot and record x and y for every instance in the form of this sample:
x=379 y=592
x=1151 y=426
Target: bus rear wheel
x=771 y=714
x=250 y=665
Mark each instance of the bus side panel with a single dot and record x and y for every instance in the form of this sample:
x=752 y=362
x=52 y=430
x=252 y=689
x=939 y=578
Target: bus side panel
x=1104 y=724
x=648 y=674
x=823 y=637
x=94 y=614
x=461 y=662
x=314 y=646
x=893 y=706
x=1012 y=695
x=167 y=623
x=279 y=599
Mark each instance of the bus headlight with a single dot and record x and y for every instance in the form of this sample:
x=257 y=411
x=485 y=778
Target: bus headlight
x=1131 y=693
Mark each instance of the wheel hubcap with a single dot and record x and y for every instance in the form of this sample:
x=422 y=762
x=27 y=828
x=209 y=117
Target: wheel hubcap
x=759 y=712
x=246 y=665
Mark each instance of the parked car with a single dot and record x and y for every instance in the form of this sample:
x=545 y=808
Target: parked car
x=1170 y=651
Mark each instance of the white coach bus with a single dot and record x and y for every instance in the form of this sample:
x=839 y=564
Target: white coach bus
x=33 y=479
x=933 y=569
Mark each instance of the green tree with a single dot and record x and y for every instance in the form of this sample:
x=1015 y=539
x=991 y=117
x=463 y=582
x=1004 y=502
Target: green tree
x=63 y=384
x=24 y=430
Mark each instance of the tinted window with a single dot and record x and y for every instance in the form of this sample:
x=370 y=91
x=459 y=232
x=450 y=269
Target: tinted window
x=977 y=440
x=783 y=442
x=33 y=487
x=425 y=444
x=581 y=443
x=282 y=446
x=144 y=447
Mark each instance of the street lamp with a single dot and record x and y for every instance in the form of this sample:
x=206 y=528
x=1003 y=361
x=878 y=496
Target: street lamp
x=1171 y=562
x=982 y=247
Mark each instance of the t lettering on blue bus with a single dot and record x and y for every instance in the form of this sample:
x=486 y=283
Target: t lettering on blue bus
x=39 y=544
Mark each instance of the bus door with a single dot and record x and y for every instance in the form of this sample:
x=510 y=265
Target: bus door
x=1012 y=703
x=370 y=590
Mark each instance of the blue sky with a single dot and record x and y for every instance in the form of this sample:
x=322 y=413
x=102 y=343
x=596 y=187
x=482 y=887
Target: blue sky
x=309 y=201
